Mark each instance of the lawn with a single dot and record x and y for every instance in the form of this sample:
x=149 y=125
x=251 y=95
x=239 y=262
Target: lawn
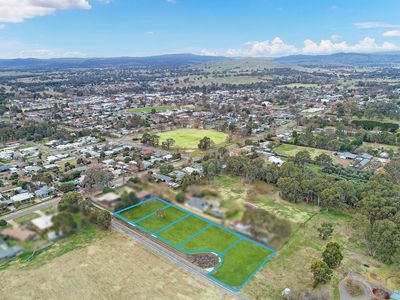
x=26 y=218
x=190 y=138
x=292 y=150
x=367 y=146
x=240 y=258
x=177 y=233
x=155 y=223
x=142 y=210
x=148 y=109
x=234 y=273
x=213 y=238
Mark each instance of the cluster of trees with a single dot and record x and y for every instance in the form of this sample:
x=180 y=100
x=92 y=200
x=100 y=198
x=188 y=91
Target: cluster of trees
x=149 y=139
x=72 y=204
x=331 y=141
x=376 y=198
x=323 y=269
x=205 y=143
x=96 y=178
x=127 y=199
x=167 y=144
x=370 y=125
x=34 y=131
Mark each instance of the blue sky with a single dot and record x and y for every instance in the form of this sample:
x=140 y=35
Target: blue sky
x=65 y=28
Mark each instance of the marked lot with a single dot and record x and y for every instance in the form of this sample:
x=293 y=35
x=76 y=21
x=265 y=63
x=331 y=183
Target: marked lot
x=240 y=258
x=142 y=210
x=183 y=230
x=213 y=238
x=154 y=222
x=237 y=274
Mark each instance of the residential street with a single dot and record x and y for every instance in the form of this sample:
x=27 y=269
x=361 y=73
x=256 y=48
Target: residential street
x=31 y=209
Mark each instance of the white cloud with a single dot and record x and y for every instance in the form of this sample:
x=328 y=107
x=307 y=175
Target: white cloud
x=335 y=37
x=391 y=33
x=16 y=11
x=16 y=49
x=277 y=47
x=368 y=25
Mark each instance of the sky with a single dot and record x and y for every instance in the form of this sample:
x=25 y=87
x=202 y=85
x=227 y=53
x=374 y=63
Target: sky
x=259 y=28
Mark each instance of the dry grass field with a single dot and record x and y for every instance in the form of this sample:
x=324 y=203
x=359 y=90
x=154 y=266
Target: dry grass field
x=114 y=267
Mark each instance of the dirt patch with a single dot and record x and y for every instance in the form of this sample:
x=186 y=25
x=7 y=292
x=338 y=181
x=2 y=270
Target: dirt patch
x=204 y=260
x=113 y=268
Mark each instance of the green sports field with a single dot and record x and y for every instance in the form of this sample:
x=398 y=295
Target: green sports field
x=148 y=109
x=190 y=138
x=240 y=257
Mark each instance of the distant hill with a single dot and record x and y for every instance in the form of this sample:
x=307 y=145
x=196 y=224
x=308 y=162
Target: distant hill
x=344 y=59
x=244 y=64
x=65 y=63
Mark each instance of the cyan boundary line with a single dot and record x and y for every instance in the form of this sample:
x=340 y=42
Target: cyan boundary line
x=215 y=224
x=151 y=214
x=172 y=223
x=196 y=234
x=210 y=224
x=231 y=246
x=256 y=271
x=132 y=206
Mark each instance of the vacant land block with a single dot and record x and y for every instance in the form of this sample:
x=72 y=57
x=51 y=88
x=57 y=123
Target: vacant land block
x=239 y=257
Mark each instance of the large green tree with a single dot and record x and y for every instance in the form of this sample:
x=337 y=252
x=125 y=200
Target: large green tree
x=332 y=255
x=321 y=272
x=64 y=222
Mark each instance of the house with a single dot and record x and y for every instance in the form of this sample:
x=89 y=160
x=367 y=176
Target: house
x=109 y=199
x=164 y=178
x=189 y=170
x=347 y=155
x=42 y=223
x=4 y=168
x=177 y=174
x=7 y=252
x=143 y=195
x=21 y=235
x=44 y=192
x=198 y=204
x=147 y=165
x=275 y=160
x=22 y=197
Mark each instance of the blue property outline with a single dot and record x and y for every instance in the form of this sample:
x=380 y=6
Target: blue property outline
x=180 y=245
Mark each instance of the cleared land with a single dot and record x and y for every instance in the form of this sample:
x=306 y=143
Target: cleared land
x=190 y=138
x=179 y=232
x=367 y=146
x=148 y=109
x=243 y=257
x=292 y=150
x=115 y=267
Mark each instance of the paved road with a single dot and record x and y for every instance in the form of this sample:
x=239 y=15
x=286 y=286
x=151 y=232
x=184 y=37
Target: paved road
x=31 y=209
x=163 y=252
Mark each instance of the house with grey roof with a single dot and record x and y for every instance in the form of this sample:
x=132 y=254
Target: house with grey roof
x=198 y=204
x=7 y=252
